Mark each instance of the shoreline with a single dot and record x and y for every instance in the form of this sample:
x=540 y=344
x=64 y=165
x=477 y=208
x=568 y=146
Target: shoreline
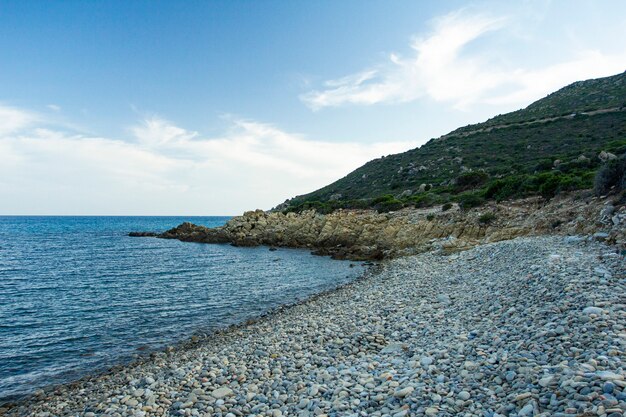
x=411 y=338
x=190 y=342
x=363 y=234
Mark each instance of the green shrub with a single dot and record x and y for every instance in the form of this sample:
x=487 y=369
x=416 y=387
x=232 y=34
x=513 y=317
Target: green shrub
x=430 y=217
x=544 y=165
x=471 y=180
x=611 y=177
x=486 y=218
x=386 y=204
x=504 y=188
x=549 y=187
x=383 y=199
x=425 y=200
x=446 y=207
x=470 y=199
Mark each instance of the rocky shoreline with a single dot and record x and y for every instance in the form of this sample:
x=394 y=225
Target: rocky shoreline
x=473 y=334
x=368 y=235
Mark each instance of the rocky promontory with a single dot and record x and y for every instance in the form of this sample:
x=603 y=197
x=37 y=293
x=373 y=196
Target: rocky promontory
x=366 y=234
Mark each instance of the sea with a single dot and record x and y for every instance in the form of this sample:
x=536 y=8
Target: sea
x=77 y=295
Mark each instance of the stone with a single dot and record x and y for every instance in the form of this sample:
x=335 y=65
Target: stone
x=593 y=310
x=426 y=361
x=601 y=236
x=403 y=392
x=222 y=392
x=546 y=381
x=431 y=411
x=527 y=410
x=464 y=395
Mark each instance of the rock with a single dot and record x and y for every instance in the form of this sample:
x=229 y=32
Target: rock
x=426 y=361
x=606 y=156
x=393 y=348
x=546 y=381
x=527 y=410
x=608 y=388
x=367 y=235
x=403 y=392
x=610 y=376
x=593 y=310
x=443 y=299
x=573 y=239
x=431 y=411
x=222 y=392
x=464 y=395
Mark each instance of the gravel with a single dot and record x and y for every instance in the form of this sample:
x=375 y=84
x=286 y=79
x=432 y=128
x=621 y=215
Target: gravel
x=527 y=327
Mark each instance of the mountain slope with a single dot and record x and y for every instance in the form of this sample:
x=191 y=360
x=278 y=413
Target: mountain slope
x=559 y=136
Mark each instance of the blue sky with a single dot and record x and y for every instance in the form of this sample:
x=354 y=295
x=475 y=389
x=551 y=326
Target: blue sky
x=150 y=107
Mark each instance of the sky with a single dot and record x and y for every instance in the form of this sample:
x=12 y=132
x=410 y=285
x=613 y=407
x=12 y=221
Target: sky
x=217 y=107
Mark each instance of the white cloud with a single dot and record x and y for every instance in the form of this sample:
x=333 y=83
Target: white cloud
x=449 y=66
x=156 y=131
x=54 y=107
x=14 y=119
x=166 y=169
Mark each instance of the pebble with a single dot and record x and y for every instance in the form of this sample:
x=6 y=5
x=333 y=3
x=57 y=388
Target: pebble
x=222 y=392
x=593 y=310
x=464 y=395
x=533 y=326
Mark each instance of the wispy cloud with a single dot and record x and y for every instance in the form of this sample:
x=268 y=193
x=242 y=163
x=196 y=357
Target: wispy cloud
x=13 y=119
x=162 y=168
x=447 y=65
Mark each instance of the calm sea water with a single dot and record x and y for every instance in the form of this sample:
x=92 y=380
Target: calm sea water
x=77 y=294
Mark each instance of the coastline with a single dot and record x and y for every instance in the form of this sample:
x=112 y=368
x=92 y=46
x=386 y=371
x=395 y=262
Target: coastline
x=368 y=235
x=382 y=342
x=190 y=342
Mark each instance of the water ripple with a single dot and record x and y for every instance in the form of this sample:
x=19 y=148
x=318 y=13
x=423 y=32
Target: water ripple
x=77 y=294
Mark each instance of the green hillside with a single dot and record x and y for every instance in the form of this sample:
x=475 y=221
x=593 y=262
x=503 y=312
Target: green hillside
x=552 y=145
x=579 y=97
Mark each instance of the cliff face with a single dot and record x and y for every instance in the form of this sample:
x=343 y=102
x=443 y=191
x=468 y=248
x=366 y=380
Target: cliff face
x=360 y=235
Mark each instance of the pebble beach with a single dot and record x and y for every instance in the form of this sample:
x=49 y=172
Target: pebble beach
x=533 y=326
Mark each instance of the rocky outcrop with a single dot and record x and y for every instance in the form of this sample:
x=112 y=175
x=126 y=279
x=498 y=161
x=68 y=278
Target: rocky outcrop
x=366 y=234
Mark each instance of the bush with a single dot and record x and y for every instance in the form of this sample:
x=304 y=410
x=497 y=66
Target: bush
x=389 y=206
x=549 y=187
x=486 y=218
x=446 y=207
x=505 y=188
x=471 y=180
x=612 y=174
x=544 y=165
x=425 y=200
x=383 y=199
x=430 y=217
x=471 y=199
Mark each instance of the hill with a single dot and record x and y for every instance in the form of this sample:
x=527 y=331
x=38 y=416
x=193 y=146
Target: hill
x=555 y=144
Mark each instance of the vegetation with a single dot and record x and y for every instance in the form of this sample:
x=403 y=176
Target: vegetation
x=494 y=164
x=611 y=177
x=575 y=99
x=486 y=218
